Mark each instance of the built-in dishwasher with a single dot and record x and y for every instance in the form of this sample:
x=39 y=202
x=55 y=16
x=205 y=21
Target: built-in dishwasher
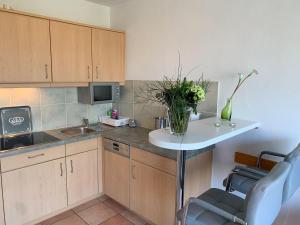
x=116 y=170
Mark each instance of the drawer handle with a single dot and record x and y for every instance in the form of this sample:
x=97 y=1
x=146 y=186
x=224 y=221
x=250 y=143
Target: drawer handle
x=61 y=170
x=116 y=148
x=46 y=71
x=115 y=144
x=97 y=72
x=72 y=169
x=35 y=156
x=88 y=72
x=132 y=172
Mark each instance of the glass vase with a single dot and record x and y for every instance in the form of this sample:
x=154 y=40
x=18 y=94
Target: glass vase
x=227 y=111
x=179 y=119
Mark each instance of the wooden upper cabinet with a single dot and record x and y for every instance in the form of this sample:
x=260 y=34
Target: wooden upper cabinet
x=71 y=52
x=24 y=49
x=108 y=48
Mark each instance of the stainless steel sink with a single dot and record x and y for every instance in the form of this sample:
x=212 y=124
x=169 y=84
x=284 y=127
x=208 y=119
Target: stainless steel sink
x=77 y=131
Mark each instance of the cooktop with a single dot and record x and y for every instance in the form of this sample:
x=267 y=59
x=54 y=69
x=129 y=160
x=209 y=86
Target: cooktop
x=23 y=140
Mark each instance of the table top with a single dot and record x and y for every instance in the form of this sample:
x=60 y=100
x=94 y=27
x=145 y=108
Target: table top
x=201 y=134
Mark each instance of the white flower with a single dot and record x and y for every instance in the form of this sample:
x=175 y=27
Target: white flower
x=254 y=71
x=241 y=76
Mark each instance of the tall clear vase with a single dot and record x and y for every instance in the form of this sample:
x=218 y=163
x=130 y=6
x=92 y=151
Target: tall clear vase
x=179 y=119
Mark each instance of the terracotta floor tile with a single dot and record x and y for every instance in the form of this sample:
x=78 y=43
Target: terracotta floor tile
x=132 y=217
x=86 y=205
x=97 y=214
x=114 y=205
x=71 y=220
x=58 y=218
x=117 y=220
x=103 y=198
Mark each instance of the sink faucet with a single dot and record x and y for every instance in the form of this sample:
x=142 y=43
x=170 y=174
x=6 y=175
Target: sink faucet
x=85 y=122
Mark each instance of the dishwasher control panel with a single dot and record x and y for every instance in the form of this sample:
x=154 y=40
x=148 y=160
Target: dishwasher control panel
x=116 y=147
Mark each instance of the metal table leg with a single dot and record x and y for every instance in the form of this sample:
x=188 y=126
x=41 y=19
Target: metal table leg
x=181 y=156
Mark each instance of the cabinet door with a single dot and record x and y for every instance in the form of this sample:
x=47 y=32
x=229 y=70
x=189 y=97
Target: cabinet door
x=1 y=207
x=34 y=191
x=116 y=177
x=24 y=49
x=71 y=52
x=108 y=55
x=82 y=180
x=153 y=194
x=100 y=165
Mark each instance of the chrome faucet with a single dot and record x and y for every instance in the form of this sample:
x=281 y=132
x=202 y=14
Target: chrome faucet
x=85 y=122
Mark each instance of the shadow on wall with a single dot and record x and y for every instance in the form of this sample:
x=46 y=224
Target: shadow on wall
x=132 y=106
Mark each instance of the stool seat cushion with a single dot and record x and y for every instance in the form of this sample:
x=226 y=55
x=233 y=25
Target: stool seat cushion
x=219 y=198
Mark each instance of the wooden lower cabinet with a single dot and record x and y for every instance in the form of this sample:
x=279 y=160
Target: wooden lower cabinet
x=116 y=177
x=34 y=191
x=82 y=176
x=1 y=207
x=152 y=194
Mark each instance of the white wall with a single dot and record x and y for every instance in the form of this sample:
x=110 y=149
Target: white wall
x=74 y=10
x=224 y=38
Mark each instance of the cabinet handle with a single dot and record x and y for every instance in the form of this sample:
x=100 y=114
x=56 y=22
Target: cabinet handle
x=88 y=72
x=97 y=72
x=35 y=156
x=61 y=169
x=46 y=71
x=132 y=172
x=72 y=170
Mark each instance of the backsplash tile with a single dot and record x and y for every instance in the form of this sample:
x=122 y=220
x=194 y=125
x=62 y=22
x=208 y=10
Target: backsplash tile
x=126 y=91
x=71 y=95
x=52 y=107
x=126 y=109
x=145 y=113
x=53 y=96
x=75 y=113
x=132 y=103
x=36 y=118
x=94 y=111
x=53 y=116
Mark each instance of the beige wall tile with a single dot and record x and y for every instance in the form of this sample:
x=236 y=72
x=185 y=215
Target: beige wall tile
x=145 y=114
x=127 y=91
x=211 y=101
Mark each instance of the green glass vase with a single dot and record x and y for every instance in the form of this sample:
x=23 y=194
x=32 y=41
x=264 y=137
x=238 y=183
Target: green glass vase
x=227 y=110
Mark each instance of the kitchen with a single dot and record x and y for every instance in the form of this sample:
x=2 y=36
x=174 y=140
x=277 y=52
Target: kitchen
x=54 y=55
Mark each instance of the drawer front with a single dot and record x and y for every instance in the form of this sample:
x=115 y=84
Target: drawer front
x=81 y=146
x=116 y=147
x=31 y=158
x=155 y=161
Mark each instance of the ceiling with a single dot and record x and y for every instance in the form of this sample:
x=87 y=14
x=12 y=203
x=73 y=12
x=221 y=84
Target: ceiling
x=108 y=2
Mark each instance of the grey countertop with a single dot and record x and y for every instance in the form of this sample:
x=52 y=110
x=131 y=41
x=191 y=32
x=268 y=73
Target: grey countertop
x=137 y=137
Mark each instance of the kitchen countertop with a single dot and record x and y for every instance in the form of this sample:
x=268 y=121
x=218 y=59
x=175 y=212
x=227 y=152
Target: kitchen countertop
x=136 y=137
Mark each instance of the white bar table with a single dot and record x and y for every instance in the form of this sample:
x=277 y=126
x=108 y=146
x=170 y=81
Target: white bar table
x=200 y=134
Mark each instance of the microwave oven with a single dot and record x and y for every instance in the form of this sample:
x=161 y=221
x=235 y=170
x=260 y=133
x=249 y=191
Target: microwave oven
x=99 y=93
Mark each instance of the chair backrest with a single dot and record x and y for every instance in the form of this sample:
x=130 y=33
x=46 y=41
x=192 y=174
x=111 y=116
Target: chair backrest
x=293 y=180
x=264 y=200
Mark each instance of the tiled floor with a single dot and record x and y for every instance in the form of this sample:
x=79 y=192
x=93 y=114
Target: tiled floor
x=100 y=211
